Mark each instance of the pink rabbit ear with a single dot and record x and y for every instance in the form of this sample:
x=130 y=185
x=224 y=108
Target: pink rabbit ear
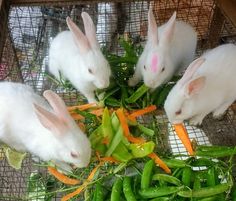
x=152 y=27
x=50 y=121
x=154 y=63
x=58 y=105
x=195 y=86
x=193 y=67
x=169 y=30
x=90 y=30
x=80 y=39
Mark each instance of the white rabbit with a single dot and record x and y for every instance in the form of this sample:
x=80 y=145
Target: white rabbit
x=28 y=123
x=169 y=49
x=79 y=58
x=208 y=85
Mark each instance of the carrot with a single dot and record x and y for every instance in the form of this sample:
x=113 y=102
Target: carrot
x=105 y=140
x=125 y=127
x=109 y=159
x=97 y=112
x=77 y=192
x=82 y=107
x=81 y=188
x=81 y=126
x=142 y=111
x=159 y=162
x=183 y=136
x=61 y=177
x=76 y=116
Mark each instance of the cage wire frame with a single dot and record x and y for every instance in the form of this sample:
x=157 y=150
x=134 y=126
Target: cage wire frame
x=27 y=27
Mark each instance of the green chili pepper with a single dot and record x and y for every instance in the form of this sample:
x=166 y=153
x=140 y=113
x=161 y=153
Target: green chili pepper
x=146 y=131
x=186 y=176
x=106 y=125
x=137 y=94
x=204 y=192
x=167 y=178
x=141 y=150
x=116 y=190
x=147 y=174
x=121 y=153
x=115 y=141
x=98 y=195
x=154 y=192
x=129 y=195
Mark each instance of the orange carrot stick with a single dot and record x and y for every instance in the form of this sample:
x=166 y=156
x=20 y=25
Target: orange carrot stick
x=123 y=122
x=77 y=192
x=109 y=159
x=81 y=126
x=76 y=116
x=97 y=112
x=61 y=177
x=81 y=188
x=82 y=107
x=159 y=162
x=183 y=136
x=142 y=111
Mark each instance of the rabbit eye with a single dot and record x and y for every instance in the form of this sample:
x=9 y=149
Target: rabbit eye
x=178 y=112
x=163 y=69
x=144 y=67
x=90 y=71
x=74 y=155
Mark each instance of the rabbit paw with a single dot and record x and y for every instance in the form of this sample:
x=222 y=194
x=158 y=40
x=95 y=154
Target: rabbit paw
x=197 y=120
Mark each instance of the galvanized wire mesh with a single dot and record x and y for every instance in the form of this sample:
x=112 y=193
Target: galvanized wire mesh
x=25 y=59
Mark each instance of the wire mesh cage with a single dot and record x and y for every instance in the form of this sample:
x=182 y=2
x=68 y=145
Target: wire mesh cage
x=31 y=28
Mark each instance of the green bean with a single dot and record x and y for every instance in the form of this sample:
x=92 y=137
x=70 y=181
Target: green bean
x=146 y=131
x=215 y=198
x=161 y=199
x=147 y=174
x=98 y=196
x=154 y=192
x=197 y=182
x=177 y=172
x=137 y=94
x=129 y=195
x=167 y=178
x=202 y=162
x=211 y=180
x=186 y=176
x=116 y=190
x=204 y=192
x=175 y=163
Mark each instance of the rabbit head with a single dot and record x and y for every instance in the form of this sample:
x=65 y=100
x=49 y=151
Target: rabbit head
x=95 y=67
x=72 y=146
x=156 y=65
x=179 y=104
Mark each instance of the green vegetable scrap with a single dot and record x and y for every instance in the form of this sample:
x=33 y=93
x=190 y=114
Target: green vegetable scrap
x=14 y=158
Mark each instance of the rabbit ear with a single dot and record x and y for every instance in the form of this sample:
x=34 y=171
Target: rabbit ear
x=195 y=86
x=50 y=121
x=80 y=39
x=152 y=27
x=58 y=105
x=90 y=30
x=168 y=32
x=191 y=70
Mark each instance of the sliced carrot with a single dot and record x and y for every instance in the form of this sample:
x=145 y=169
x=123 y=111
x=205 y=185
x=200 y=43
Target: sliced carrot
x=183 y=136
x=86 y=182
x=76 y=116
x=97 y=112
x=105 y=140
x=81 y=126
x=82 y=107
x=61 y=177
x=77 y=192
x=159 y=162
x=123 y=122
x=143 y=111
x=109 y=159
